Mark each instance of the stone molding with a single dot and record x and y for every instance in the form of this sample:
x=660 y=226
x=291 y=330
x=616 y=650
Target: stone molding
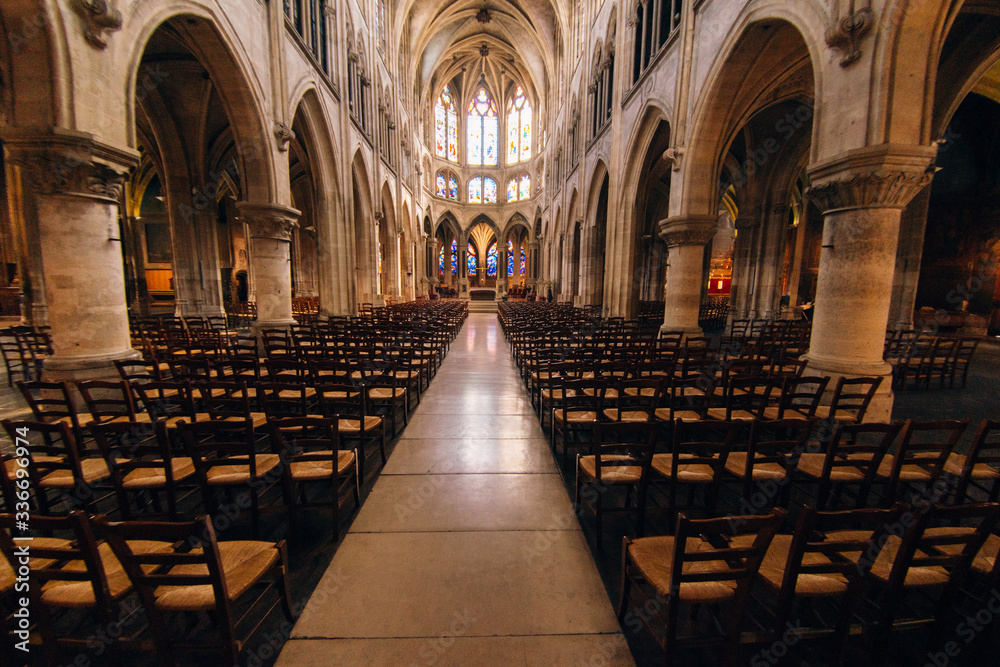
x=98 y=17
x=688 y=230
x=269 y=221
x=70 y=163
x=883 y=176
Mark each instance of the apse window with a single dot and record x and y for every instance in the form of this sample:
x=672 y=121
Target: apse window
x=446 y=126
x=482 y=190
x=447 y=185
x=483 y=130
x=519 y=128
x=519 y=188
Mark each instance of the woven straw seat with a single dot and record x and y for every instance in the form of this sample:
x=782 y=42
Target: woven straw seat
x=653 y=557
x=612 y=414
x=772 y=571
x=80 y=594
x=151 y=478
x=611 y=474
x=315 y=470
x=243 y=563
x=233 y=473
x=93 y=470
x=698 y=473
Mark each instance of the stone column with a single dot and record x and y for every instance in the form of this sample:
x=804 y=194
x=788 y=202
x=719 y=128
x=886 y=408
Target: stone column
x=862 y=194
x=744 y=267
x=76 y=187
x=532 y=278
x=909 y=255
x=770 y=261
x=271 y=227
x=686 y=238
x=463 y=265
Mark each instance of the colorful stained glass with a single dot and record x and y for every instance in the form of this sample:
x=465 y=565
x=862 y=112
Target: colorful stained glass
x=442 y=187
x=519 y=128
x=491 y=260
x=483 y=128
x=454 y=258
x=489 y=190
x=512 y=140
x=470 y=261
x=526 y=133
x=452 y=187
x=510 y=258
x=524 y=262
x=441 y=261
x=524 y=190
x=440 y=130
x=446 y=126
x=452 y=136
x=476 y=190
x=512 y=189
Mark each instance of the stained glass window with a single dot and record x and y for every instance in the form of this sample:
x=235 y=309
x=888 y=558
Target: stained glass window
x=476 y=190
x=471 y=259
x=491 y=260
x=482 y=131
x=454 y=258
x=510 y=258
x=524 y=261
x=441 y=261
x=512 y=189
x=446 y=126
x=524 y=189
x=447 y=185
x=519 y=128
x=489 y=190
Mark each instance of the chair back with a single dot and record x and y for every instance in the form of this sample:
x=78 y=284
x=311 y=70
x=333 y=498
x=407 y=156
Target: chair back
x=624 y=445
x=165 y=400
x=107 y=400
x=924 y=449
x=852 y=396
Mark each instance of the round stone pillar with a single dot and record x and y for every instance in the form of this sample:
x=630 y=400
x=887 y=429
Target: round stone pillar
x=685 y=238
x=271 y=227
x=862 y=195
x=76 y=185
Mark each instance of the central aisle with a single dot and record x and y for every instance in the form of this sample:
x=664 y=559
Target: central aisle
x=467 y=551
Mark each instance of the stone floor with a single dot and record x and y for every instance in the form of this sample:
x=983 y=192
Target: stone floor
x=467 y=550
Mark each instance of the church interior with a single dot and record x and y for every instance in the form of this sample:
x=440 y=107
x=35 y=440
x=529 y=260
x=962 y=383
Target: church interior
x=499 y=332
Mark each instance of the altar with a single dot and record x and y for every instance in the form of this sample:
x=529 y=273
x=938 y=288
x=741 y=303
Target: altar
x=482 y=294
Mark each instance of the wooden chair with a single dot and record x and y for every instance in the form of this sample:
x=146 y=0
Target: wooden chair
x=961 y=360
x=621 y=454
x=225 y=456
x=825 y=559
x=56 y=465
x=850 y=400
x=198 y=573
x=14 y=359
x=799 y=398
x=746 y=397
x=348 y=404
x=166 y=400
x=142 y=465
x=107 y=401
x=636 y=400
x=764 y=470
x=853 y=456
x=385 y=392
x=50 y=402
x=706 y=564
x=927 y=557
x=67 y=574
x=924 y=448
x=695 y=460
x=580 y=405
x=979 y=466
x=310 y=452
x=282 y=400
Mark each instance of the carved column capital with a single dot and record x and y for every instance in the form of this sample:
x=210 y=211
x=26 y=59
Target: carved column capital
x=269 y=221
x=883 y=176
x=688 y=230
x=98 y=17
x=69 y=162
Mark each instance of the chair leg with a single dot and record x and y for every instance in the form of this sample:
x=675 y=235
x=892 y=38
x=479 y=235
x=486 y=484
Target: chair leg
x=626 y=582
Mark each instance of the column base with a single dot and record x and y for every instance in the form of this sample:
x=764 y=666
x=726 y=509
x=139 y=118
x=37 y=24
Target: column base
x=258 y=325
x=101 y=367
x=687 y=331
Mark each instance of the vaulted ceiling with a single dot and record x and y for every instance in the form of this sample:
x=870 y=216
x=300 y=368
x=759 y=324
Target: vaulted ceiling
x=501 y=42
